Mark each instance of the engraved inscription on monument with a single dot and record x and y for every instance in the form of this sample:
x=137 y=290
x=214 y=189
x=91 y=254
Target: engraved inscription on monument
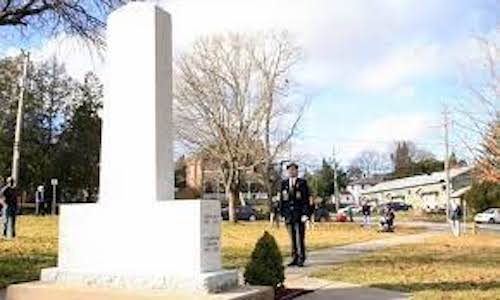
x=211 y=243
x=211 y=219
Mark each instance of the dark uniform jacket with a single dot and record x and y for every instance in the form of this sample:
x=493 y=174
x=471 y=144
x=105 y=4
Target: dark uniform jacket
x=294 y=200
x=10 y=196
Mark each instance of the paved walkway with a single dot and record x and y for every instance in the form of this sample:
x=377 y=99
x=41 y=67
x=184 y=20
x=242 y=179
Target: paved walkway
x=327 y=290
x=300 y=277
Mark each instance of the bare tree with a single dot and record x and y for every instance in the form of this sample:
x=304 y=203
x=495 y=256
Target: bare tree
x=275 y=55
x=371 y=162
x=85 y=18
x=488 y=160
x=230 y=93
x=480 y=114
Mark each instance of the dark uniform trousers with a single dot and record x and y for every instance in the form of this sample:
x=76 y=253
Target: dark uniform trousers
x=297 y=231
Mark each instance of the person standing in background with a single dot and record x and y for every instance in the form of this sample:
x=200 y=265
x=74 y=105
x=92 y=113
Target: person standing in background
x=275 y=213
x=366 y=209
x=40 y=201
x=9 y=198
x=350 y=213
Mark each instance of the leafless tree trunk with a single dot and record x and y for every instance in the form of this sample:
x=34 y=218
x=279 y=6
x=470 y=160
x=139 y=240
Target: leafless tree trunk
x=230 y=103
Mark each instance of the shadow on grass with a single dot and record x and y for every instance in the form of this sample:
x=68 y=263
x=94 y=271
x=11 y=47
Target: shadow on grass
x=439 y=286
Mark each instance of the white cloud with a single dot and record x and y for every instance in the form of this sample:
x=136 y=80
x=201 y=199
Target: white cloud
x=364 y=45
x=378 y=134
x=77 y=56
x=405 y=91
x=400 y=67
x=397 y=127
x=370 y=48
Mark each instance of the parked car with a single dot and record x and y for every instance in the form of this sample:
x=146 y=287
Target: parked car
x=322 y=214
x=491 y=215
x=246 y=212
x=396 y=206
x=356 y=210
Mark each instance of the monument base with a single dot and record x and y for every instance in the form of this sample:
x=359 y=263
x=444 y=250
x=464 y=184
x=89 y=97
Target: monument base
x=46 y=291
x=208 y=282
x=166 y=245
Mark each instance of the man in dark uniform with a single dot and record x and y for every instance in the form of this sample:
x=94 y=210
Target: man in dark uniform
x=9 y=198
x=294 y=207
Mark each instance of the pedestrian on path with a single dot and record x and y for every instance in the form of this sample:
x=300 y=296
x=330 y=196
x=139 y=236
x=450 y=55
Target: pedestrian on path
x=40 y=208
x=350 y=213
x=456 y=215
x=387 y=220
x=9 y=198
x=294 y=207
x=366 y=209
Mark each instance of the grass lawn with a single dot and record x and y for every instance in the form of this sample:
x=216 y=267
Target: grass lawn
x=415 y=215
x=239 y=239
x=443 y=267
x=34 y=248
x=36 y=244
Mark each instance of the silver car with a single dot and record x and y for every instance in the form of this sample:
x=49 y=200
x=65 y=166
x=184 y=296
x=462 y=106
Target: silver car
x=491 y=215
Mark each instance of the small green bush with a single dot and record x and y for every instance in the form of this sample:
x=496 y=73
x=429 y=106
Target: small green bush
x=266 y=264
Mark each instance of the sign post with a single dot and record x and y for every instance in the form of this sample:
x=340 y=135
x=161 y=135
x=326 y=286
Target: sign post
x=54 y=183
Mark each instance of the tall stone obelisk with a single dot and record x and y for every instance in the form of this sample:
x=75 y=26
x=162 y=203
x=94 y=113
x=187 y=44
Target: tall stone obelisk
x=137 y=158
x=132 y=238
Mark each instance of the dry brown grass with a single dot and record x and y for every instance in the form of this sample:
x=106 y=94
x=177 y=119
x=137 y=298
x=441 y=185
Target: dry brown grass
x=443 y=267
x=239 y=239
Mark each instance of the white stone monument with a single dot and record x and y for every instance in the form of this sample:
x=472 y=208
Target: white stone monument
x=135 y=237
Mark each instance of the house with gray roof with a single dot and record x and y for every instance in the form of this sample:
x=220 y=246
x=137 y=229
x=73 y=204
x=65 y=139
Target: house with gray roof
x=427 y=192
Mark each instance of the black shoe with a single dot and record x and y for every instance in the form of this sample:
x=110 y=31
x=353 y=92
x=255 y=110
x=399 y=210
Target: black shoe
x=293 y=263
x=300 y=264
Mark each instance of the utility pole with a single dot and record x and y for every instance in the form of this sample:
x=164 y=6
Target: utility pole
x=446 y=125
x=249 y=190
x=335 y=181
x=19 y=120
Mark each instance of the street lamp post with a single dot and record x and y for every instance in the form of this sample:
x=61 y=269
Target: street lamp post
x=54 y=183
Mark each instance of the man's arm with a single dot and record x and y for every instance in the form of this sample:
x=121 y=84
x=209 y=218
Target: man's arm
x=306 y=196
x=280 y=199
x=2 y=196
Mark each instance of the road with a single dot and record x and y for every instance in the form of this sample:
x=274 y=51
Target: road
x=489 y=228
x=435 y=226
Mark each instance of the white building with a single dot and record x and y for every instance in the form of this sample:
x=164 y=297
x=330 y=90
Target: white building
x=426 y=192
x=357 y=187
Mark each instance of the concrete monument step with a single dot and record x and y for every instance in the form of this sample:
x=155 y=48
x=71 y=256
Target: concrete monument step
x=55 y=291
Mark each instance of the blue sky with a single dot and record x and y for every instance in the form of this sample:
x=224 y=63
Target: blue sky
x=374 y=71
